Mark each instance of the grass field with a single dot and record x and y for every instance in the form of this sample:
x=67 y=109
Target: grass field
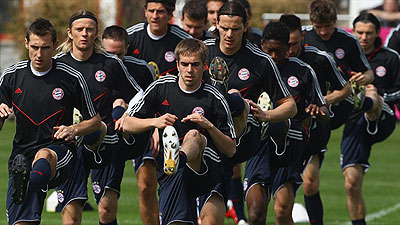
x=381 y=187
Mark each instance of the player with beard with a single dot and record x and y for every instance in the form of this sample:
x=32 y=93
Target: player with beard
x=109 y=82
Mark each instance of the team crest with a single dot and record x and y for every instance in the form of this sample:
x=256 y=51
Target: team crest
x=96 y=188
x=60 y=197
x=339 y=53
x=198 y=110
x=293 y=81
x=380 y=71
x=100 y=75
x=244 y=74
x=58 y=93
x=245 y=184
x=169 y=56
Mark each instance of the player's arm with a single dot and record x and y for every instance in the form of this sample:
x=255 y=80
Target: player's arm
x=5 y=111
x=286 y=110
x=338 y=95
x=83 y=128
x=362 y=78
x=224 y=143
x=317 y=106
x=135 y=125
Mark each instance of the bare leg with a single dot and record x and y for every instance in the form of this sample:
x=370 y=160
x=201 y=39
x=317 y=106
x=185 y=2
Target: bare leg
x=213 y=211
x=147 y=184
x=284 y=200
x=108 y=206
x=257 y=204
x=72 y=213
x=353 y=184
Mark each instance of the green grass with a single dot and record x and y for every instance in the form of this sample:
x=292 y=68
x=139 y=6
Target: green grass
x=381 y=186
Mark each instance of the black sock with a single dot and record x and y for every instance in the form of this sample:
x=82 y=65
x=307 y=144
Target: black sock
x=359 y=222
x=236 y=197
x=367 y=105
x=182 y=159
x=40 y=175
x=314 y=209
x=236 y=104
x=110 y=223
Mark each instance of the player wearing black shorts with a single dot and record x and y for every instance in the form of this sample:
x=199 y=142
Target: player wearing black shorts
x=109 y=82
x=345 y=49
x=194 y=19
x=42 y=92
x=375 y=121
x=250 y=72
x=284 y=177
x=143 y=38
x=193 y=115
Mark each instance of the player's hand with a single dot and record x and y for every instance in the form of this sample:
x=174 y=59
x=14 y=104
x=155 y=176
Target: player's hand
x=120 y=122
x=357 y=77
x=165 y=120
x=257 y=111
x=67 y=133
x=314 y=110
x=155 y=143
x=5 y=111
x=199 y=119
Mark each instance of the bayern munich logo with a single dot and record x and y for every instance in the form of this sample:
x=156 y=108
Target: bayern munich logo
x=245 y=184
x=96 y=188
x=380 y=71
x=58 y=93
x=293 y=81
x=199 y=111
x=60 y=197
x=100 y=75
x=339 y=53
x=169 y=56
x=244 y=74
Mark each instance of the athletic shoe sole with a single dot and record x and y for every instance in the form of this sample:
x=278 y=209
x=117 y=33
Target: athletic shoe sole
x=358 y=95
x=171 y=150
x=219 y=74
x=264 y=101
x=20 y=173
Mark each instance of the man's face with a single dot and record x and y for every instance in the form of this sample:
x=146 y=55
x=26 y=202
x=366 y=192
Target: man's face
x=157 y=16
x=231 y=29
x=83 y=32
x=276 y=49
x=193 y=27
x=191 y=70
x=295 y=43
x=212 y=11
x=40 y=49
x=324 y=30
x=366 y=34
x=115 y=47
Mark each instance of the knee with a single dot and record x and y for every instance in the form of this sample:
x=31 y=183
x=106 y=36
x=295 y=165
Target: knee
x=310 y=185
x=45 y=154
x=283 y=212
x=257 y=214
x=147 y=186
x=352 y=187
x=107 y=214
x=197 y=137
x=71 y=220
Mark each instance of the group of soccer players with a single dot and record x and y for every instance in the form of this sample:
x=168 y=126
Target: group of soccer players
x=189 y=105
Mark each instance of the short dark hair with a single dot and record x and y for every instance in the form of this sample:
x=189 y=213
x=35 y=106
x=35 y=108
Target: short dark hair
x=41 y=27
x=196 y=10
x=276 y=31
x=291 y=21
x=168 y=4
x=116 y=33
x=323 y=11
x=369 y=18
x=191 y=46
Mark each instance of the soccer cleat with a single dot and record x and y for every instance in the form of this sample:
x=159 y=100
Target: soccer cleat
x=358 y=95
x=265 y=104
x=20 y=174
x=231 y=213
x=154 y=69
x=242 y=222
x=219 y=74
x=171 y=150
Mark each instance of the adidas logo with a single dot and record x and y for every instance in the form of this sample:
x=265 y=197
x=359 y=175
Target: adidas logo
x=165 y=102
x=136 y=52
x=18 y=91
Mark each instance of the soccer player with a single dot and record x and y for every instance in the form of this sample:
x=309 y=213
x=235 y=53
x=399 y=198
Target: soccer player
x=194 y=19
x=109 y=178
x=109 y=82
x=212 y=12
x=284 y=179
x=42 y=92
x=250 y=72
x=143 y=39
x=376 y=121
x=196 y=124
x=345 y=49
